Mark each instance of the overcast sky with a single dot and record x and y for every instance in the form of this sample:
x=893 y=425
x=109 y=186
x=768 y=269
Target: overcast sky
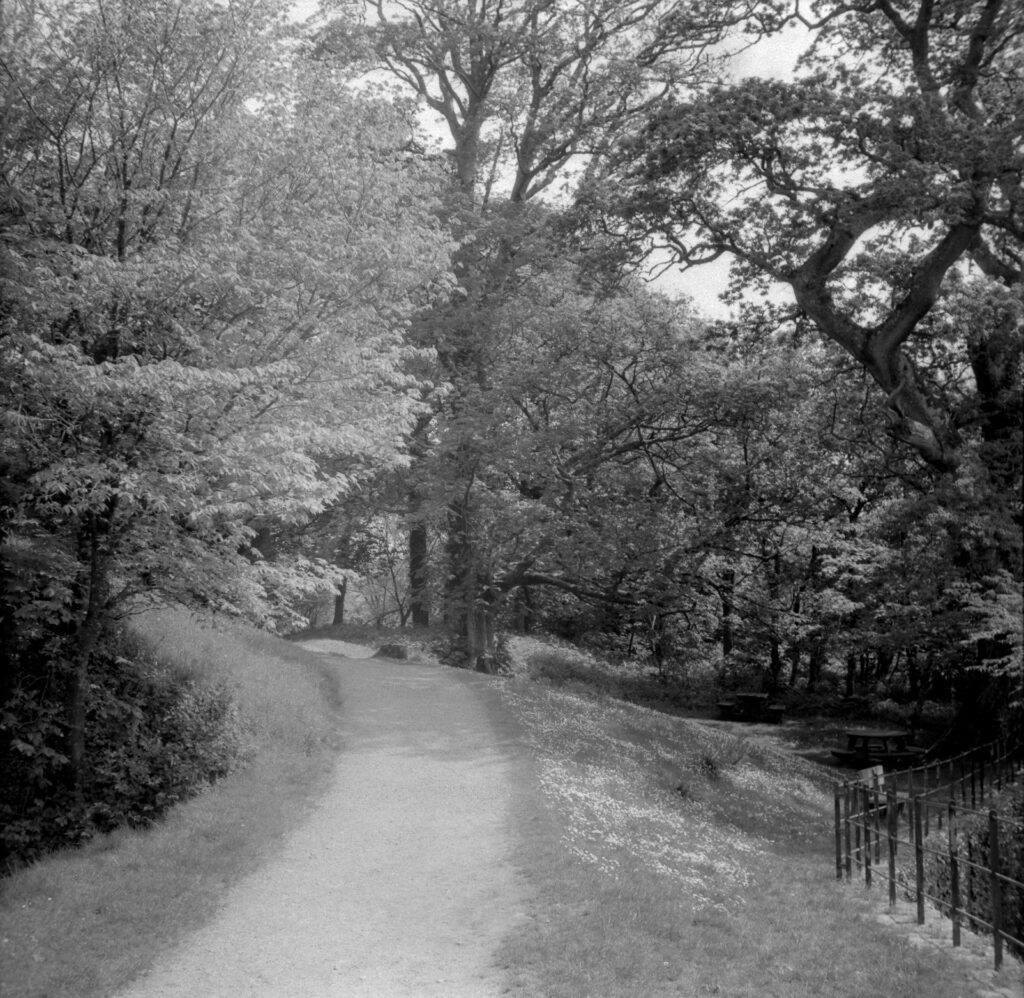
x=771 y=58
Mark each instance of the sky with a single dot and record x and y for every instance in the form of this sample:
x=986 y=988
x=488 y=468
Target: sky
x=770 y=58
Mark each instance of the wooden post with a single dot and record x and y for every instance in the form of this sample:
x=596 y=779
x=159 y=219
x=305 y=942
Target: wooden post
x=849 y=803
x=858 y=827
x=876 y=808
x=839 y=833
x=919 y=859
x=867 y=837
x=892 y=832
x=954 y=876
x=996 y=887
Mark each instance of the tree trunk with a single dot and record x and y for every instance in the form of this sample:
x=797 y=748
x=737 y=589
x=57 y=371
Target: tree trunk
x=524 y=610
x=339 y=604
x=469 y=607
x=728 y=582
x=794 y=663
x=419 y=539
x=814 y=664
x=418 y=593
x=775 y=664
x=913 y=675
x=86 y=639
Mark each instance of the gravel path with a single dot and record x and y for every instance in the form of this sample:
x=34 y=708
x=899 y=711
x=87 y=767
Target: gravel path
x=400 y=883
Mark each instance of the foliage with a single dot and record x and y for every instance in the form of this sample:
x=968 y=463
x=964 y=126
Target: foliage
x=210 y=249
x=861 y=184
x=154 y=737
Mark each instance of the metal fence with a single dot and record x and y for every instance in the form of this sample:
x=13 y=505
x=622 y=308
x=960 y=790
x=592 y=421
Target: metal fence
x=925 y=832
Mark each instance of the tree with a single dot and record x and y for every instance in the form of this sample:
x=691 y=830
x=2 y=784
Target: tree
x=210 y=249
x=524 y=91
x=866 y=185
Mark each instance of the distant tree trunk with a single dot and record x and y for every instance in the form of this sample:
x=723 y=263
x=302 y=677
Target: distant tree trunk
x=728 y=583
x=419 y=580
x=524 y=610
x=913 y=675
x=814 y=664
x=480 y=635
x=774 y=648
x=851 y=672
x=794 y=662
x=884 y=659
x=469 y=605
x=419 y=596
x=86 y=639
x=775 y=664
x=339 y=603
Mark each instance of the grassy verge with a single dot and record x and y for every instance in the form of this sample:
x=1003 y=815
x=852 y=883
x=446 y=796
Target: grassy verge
x=677 y=859
x=82 y=924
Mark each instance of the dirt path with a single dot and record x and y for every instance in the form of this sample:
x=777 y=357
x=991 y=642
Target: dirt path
x=400 y=883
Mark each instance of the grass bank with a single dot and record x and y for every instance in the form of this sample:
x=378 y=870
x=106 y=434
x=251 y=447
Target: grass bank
x=81 y=924
x=676 y=858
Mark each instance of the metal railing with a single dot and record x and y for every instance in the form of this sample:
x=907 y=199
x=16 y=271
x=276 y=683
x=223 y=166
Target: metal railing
x=953 y=853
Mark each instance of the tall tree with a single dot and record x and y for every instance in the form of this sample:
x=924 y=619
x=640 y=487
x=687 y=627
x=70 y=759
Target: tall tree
x=525 y=91
x=205 y=281
x=892 y=162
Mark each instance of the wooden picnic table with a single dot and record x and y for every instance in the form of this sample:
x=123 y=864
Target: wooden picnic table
x=751 y=707
x=885 y=747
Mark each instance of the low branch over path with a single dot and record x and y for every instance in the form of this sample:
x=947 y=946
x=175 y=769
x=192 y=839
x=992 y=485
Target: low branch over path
x=401 y=883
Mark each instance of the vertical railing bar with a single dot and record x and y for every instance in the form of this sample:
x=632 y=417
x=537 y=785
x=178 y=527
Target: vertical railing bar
x=996 y=887
x=850 y=804
x=954 y=875
x=892 y=828
x=867 y=837
x=919 y=859
x=839 y=833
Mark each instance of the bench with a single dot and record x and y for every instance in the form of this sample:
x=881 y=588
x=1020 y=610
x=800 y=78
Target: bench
x=753 y=707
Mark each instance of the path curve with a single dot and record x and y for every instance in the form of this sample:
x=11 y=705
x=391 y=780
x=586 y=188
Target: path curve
x=401 y=883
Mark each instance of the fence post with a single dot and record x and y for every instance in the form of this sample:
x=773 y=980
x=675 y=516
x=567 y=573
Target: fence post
x=996 y=886
x=954 y=875
x=839 y=834
x=867 y=836
x=919 y=859
x=849 y=804
x=858 y=825
x=876 y=817
x=892 y=832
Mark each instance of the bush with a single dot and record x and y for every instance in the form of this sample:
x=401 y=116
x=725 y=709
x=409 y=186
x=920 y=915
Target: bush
x=153 y=737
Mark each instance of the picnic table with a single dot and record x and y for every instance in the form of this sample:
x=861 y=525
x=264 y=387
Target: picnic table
x=750 y=707
x=867 y=747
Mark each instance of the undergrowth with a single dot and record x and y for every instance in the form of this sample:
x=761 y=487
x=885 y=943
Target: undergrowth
x=156 y=733
x=81 y=923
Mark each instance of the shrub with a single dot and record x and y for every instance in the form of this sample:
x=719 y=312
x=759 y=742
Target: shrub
x=153 y=737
